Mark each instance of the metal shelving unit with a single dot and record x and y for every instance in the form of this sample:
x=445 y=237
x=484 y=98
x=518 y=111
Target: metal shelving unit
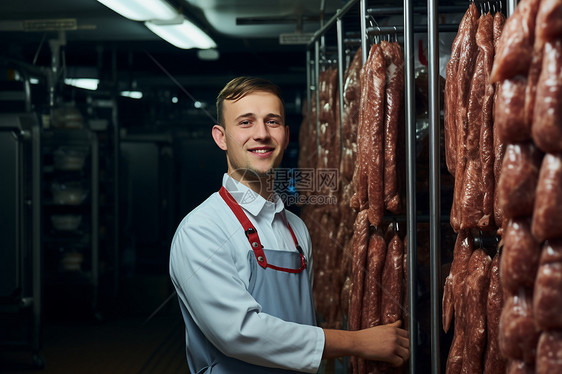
x=435 y=217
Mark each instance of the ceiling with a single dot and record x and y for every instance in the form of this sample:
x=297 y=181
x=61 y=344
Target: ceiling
x=246 y=32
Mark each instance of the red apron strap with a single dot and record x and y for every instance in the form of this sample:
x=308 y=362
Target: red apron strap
x=249 y=229
x=252 y=234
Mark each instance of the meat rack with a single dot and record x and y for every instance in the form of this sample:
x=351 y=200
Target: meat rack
x=313 y=61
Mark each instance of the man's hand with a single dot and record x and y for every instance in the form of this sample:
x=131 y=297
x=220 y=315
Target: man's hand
x=387 y=343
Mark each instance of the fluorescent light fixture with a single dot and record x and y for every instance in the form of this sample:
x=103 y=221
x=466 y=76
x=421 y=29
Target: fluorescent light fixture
x=131 y=94
x=141 y=10
x=85 y=83
x=181 y=33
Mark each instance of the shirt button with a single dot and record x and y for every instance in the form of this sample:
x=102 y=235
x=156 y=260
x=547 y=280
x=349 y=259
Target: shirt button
x=255 y=244
x=260 y=259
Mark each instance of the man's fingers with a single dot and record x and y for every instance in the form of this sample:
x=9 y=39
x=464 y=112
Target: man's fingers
x=403 y=333
x=396 y=323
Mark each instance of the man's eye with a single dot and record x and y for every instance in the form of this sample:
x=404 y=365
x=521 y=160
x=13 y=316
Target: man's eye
x=245 y=123
x=273 y=122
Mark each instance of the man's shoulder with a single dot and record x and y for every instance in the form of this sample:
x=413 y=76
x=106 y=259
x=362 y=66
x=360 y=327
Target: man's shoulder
x=208 y=213
x=296 y=222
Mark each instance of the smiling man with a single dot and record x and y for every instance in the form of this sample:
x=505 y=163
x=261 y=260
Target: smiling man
x=242 y=264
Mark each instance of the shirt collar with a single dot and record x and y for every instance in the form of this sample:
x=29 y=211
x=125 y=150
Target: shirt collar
x=250 y=200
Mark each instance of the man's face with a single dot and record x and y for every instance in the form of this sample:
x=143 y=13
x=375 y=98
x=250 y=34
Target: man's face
x=254 y=134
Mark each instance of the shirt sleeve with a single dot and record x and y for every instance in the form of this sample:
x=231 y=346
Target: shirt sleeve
x=204 y=274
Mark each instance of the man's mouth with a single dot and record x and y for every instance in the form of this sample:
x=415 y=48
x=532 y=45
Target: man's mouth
x=261 y=150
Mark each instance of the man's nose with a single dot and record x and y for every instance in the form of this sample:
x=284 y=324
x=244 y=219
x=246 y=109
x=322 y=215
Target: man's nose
x=261 y=131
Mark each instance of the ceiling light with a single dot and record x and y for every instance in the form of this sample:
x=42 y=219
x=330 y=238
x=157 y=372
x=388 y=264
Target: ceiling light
x=85 y=83
x=181 y=33
x=141 y=10
x=208 y=54
x=131 y=94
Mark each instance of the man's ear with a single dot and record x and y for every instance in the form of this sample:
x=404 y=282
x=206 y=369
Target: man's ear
x=219 y=136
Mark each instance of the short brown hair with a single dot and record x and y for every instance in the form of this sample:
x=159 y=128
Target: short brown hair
x=240 y=87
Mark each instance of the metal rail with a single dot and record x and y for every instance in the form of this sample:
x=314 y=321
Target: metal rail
x=339 y=14
x=511 y=5
x=434 y=184
x=341 y=67
x=410 y=122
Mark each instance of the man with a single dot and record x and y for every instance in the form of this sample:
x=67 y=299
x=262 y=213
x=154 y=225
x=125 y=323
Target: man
x=242 y=265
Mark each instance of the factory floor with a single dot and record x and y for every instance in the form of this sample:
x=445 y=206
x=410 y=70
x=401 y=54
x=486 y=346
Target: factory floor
x=137 y=333
x=123 y=340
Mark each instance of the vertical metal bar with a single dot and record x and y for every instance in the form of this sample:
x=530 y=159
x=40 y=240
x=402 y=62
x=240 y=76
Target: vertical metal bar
x=95 y=218
x=317 y=84
x=511 y=5
x=341 y=67
x=410 y=132
x=309 y=85
x=364 y=36
x=37 y=232
x=116 y=177
x=434 y=184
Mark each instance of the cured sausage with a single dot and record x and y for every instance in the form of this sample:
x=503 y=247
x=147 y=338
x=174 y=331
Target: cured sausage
x=360 y=247
x=499 y=147
x=547 y=214
x=392 y=275
x=493 y=360
x=520 y=257
x=518 y=180
x=373 y=292
x=547 y=115
x=360 y=201
x=515 y=47
x=393 y=121
x=549 y=20
x=485 y=43
x=454 y=283
x=518 y=334
x=549 y=352
x=472 y=191
x=455 y=357
x=375 y=166
x=464 y=75
x=520 y=367
x=547 y=298
x=451 y=97
x=476 y=295
x=351 y=99
x=509 y=112
x=470 y=204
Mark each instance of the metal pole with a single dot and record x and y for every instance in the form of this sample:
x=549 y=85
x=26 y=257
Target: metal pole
x=341 y=68
x=326 y=25
x=410 y=104
x=434 y=183
x=95 y=218
x=37 y=232
x=511 y=5
x=363 y=23
x=309 y=85
x=316 y=84
x=116 y=177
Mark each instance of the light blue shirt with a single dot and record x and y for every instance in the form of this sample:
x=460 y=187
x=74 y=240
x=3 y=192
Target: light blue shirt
x=210 y=271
